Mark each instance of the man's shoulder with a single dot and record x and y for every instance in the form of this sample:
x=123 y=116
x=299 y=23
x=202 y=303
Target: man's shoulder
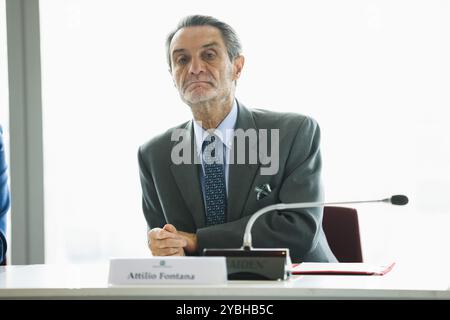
x=266 y=118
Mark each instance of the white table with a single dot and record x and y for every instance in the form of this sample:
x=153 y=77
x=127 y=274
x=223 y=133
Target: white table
x=90 y=282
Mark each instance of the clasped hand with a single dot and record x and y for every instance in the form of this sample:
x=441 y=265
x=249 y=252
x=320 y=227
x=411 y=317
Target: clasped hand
x=168 y=241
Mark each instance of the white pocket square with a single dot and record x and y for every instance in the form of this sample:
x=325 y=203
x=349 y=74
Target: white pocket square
x=262 y=191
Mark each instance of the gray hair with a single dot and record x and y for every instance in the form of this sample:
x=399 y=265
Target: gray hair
x=234 y=47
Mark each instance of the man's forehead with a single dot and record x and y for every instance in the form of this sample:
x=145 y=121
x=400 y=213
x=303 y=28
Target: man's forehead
x=196 y=37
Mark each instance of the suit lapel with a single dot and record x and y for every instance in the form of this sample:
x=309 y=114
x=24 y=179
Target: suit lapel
x=241 y=176
x=240 y=180
x=187 y=179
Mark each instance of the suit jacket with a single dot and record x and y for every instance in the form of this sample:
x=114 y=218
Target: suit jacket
x=172 y=193
x=4 y=199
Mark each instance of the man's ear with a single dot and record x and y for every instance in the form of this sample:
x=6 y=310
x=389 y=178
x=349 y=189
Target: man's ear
x=238 y=65
x=171 y=75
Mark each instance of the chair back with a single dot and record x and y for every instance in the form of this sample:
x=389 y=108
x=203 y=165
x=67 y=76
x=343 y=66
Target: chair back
x=341 y=228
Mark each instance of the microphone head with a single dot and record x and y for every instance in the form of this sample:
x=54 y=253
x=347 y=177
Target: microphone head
x=399 y=200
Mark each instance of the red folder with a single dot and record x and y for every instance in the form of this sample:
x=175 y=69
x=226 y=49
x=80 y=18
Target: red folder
x=364 y=269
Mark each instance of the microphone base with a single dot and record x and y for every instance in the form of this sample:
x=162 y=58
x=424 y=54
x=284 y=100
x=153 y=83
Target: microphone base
x=254 y=264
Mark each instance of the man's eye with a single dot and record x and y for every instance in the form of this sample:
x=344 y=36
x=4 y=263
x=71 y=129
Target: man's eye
x=209 y=55
x=182 y=61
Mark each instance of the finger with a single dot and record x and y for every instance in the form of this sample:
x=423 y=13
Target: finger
x=170 y=227
x=159 y=233
x=151 y=237
x=179 y=253
x=163 y=234
x=170 y=243
x=152 y=233
x=166 y=252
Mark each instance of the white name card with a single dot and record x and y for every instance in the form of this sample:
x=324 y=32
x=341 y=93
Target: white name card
x=167 y=270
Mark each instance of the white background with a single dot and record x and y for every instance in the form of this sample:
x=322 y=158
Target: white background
x=374 y=74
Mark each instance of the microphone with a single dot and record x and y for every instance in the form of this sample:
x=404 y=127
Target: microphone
x=248 y=263
x=399 y=200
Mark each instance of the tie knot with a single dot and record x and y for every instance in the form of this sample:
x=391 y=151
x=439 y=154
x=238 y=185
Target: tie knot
x=208 y=140
x=212 y=150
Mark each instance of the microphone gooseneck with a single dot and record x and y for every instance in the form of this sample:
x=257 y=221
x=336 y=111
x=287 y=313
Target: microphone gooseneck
x=399 y=200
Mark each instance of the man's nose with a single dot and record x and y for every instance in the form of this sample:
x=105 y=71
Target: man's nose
x=197 y=66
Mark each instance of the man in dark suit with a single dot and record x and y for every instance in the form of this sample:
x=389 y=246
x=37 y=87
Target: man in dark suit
x=201 y=183
x=4 y=200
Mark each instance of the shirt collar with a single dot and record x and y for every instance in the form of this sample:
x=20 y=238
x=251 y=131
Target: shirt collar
x=224 y=131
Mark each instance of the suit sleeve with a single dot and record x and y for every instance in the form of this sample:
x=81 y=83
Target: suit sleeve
x=295 y=229
x=3 y=246
x=150 y=203
x=4 y=199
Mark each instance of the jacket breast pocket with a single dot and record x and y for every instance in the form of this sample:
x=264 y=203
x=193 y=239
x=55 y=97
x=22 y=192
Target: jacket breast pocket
x=262 y=198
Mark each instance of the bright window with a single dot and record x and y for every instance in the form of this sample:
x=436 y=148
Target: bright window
x=374 y=74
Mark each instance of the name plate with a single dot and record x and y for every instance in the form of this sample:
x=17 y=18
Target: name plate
x=167 y=270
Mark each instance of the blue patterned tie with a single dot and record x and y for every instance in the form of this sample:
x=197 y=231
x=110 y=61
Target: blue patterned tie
x=215 y=190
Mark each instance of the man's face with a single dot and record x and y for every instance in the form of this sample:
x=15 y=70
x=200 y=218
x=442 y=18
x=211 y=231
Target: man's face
x=201 y=68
